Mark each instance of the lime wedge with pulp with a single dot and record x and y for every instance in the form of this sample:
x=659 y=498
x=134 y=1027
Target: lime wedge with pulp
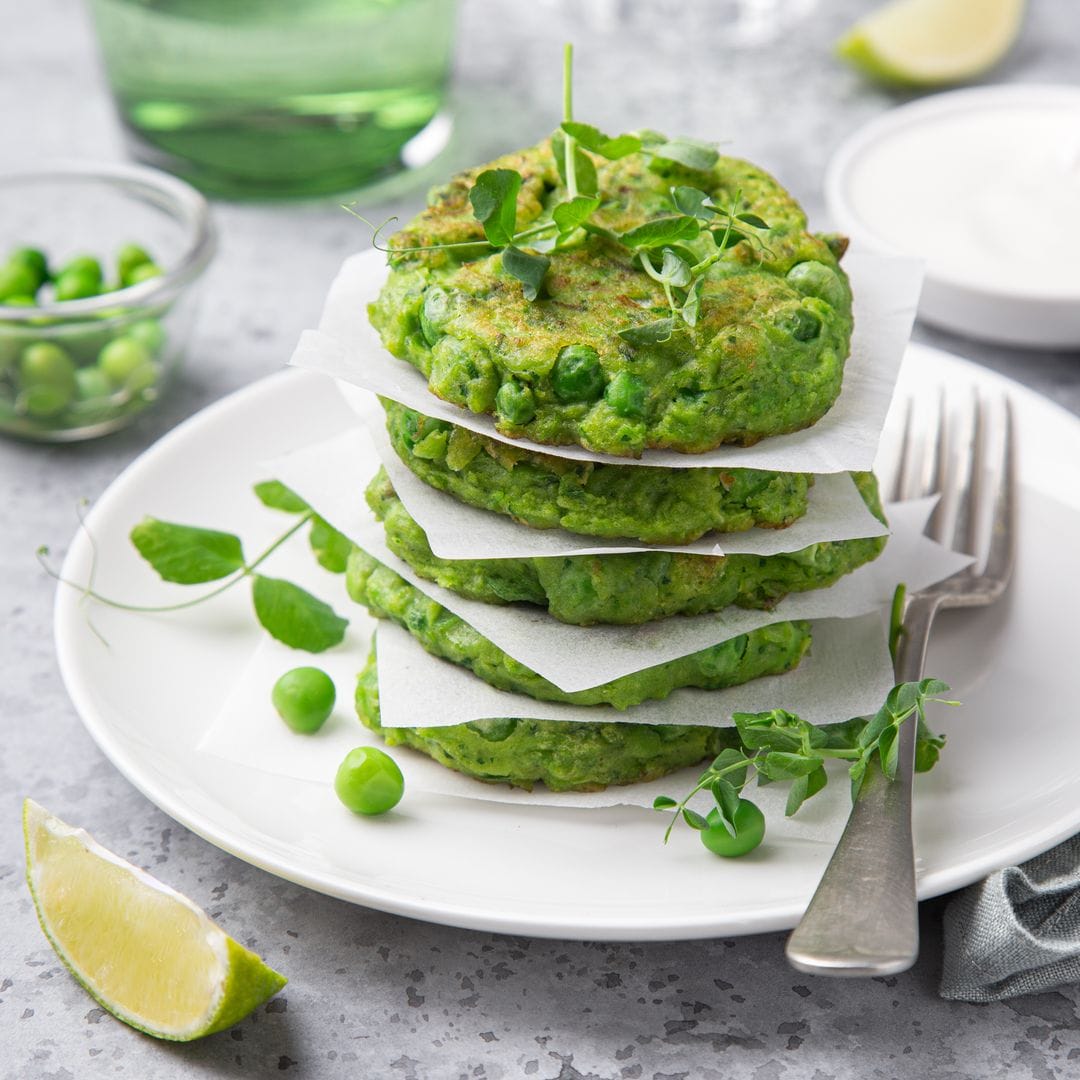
x=148 y=954
x=932 y=42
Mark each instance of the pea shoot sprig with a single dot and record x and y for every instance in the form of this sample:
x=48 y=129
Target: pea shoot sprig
x=779 y=746
x=190 y=555
x=526 y=253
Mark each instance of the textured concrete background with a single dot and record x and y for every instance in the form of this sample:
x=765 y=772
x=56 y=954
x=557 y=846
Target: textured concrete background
x=373 y=995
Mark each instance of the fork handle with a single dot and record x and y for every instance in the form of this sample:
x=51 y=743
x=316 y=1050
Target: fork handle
x=863 y=918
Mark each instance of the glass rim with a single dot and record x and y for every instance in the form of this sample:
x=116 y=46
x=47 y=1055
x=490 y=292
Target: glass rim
x=168 y=193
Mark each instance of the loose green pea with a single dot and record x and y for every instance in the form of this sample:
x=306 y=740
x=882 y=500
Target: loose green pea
x=34 y=260
x=92 y=382
x=47 y=376
x=128 y=258
x=304 y=698
x=77 y=284
x=120 y=358
x=143 y=272
x=515 y=402
x=749 y=824
x=369 y=781
x=84 y=264
x=577 y=374
x=626 y=396
x=148 y=333
x=17 y=280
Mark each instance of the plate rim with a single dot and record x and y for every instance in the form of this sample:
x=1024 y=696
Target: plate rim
x=465 y=915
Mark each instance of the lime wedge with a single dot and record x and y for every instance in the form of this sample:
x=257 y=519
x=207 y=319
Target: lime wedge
x=932 y=42
x=148 y=954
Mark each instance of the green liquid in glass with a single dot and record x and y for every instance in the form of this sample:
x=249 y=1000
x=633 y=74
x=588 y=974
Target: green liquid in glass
x=257 y=98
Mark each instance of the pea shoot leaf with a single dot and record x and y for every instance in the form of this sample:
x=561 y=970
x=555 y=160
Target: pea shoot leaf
x=277 y=496
x=185 y=554
x=331 y=548
x=569 y=216
x=691 y=309
x=728 y=237
x=660 y=232
x=803 y=787
x=663 y=802
x=528 y=268
x=595 y=140
x=494 y=202
x=652 y=333
x=752 y=219
x=694 y=819
x=699 y=156
x=294 y=617
x=783 y=765
x=584 y=167
x=675 y=269
x=693 y=202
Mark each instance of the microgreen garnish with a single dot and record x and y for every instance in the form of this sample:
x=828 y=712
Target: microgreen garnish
x=190 y=555
x=574 y=145
x=779 y=746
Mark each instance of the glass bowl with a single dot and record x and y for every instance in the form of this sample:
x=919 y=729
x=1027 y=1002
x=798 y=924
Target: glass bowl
x=62 y=378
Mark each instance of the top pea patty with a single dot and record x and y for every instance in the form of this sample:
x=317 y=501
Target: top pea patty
x=765 y=357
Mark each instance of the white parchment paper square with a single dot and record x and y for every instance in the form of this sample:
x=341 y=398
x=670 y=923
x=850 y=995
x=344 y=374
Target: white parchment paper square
x=886 y=291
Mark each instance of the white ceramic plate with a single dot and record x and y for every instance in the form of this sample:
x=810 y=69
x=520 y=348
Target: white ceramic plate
x=1007 y=786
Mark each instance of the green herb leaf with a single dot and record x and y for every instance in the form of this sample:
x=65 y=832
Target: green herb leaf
x=595 y=140
x=690 y=312
x=584 y=167
x=652 y=333
x=277 y=496
x=660 y=232
x=694 y=819
x=693 y=202
x=494 y=202
x=782 y=765
x=185 y=554
x=663 y=802
x=857 y=772
x=928 y=747
x=528 y=268
x=696 y=155
x=889 y=751
x=571 y=215
x=294 y=616
x=727 y=237
x=727 y=799
x=331 y=548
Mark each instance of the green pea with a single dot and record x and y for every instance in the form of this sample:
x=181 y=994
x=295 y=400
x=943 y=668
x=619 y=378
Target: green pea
x=17 y=280
x=121 y=357
x=816 y=279
x=577 y=374
x=92 y=382
x=34 y=261
x=749 y=824
x=143 y=273
x=515 y=402
x=128 y=258
x=47 y=376
x=84 y=264
x=141 y=379
x=21 y=301
x=304 y=698
x=434 y=313
x=148 y=333
x=626 y=396
x=804 y=325
x=369 y=781
x=77 y=284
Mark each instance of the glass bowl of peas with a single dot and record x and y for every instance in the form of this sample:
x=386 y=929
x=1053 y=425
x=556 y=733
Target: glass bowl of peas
x=99 y=274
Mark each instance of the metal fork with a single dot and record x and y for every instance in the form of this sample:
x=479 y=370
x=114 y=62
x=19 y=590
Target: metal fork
x=863 y=920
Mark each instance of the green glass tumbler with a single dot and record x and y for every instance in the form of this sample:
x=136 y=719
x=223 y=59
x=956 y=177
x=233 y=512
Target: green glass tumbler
x=273 y=98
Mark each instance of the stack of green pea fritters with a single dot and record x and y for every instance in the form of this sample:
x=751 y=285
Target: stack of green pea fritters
x=765 y=355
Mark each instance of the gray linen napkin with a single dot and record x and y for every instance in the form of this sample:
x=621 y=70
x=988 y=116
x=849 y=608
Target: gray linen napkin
x=1017 y=931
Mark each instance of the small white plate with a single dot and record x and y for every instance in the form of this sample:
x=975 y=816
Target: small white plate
x=994 y=148
x=1007 y=786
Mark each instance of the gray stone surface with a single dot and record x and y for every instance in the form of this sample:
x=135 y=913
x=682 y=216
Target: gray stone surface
x=373 y=995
